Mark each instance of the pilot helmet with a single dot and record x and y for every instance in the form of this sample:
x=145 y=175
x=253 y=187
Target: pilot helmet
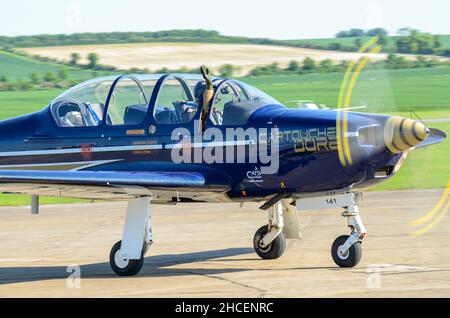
x=74 y=118
x=199 y=89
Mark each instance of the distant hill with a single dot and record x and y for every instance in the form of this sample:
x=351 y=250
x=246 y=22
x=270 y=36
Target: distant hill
x=196 y=36
x=17 y=67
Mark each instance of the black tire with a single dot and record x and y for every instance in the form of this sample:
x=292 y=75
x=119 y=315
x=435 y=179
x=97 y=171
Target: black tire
x=353 y=255
x=130 y=269
x=274 y=250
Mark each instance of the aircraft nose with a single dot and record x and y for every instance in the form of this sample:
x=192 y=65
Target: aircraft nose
x=401 y=134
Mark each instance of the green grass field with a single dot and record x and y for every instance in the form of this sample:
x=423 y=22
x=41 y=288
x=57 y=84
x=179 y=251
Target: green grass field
x=22 y=102
x=426 y=91
x=16 y=67
x=445 y=40
x=19 y=200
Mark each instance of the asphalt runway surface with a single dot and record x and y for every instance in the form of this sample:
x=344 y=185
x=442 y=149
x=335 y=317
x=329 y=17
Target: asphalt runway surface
x=205 y=250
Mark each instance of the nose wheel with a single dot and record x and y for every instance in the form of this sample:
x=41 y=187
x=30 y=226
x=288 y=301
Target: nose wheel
x=346 y=249
x=348 y=258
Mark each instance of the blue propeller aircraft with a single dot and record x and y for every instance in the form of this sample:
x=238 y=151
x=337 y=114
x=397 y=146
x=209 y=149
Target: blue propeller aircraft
x=173 y=138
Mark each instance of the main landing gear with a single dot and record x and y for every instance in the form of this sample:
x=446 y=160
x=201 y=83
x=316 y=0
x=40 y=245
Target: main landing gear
x=270 y=240
x=127 y=256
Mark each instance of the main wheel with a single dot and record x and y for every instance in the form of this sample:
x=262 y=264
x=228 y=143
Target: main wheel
x=273 y=250
x=124 y=267
x=350 y=258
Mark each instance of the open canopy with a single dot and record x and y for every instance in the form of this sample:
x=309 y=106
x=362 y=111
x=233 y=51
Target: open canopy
x=167 y=99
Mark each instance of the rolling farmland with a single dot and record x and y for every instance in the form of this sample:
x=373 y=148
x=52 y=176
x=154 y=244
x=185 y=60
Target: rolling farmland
x=17 y=67
x=155 y=56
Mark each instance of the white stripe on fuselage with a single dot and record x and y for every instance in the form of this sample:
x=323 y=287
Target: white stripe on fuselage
x=120 y=148
x=81 y=165
x=78 y=150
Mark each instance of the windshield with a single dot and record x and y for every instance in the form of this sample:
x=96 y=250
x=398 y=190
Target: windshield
x=235 y=101
x=83 y=105
x=258 y=95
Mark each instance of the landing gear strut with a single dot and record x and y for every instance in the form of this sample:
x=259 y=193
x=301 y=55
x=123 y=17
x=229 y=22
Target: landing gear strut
x=269 y=241
x=346 y=250
x=127 y=256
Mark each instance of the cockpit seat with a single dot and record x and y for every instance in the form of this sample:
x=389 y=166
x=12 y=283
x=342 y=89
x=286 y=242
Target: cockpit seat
x=185 y=110
x=166 y=116
x=237 y=113
x=135 y=114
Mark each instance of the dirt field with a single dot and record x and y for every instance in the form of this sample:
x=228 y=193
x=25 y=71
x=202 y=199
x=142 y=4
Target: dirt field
x=155 y=56
x=206 y=250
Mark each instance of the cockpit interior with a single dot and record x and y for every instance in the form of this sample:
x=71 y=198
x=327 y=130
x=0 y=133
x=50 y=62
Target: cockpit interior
x=169 y=99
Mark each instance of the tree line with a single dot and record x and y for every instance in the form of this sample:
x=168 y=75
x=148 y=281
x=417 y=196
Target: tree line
x=198 y=35
x=354 y=32
x=309 y=65
x=408 y=41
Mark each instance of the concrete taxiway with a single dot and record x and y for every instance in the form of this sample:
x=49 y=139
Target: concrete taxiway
x=205 y=250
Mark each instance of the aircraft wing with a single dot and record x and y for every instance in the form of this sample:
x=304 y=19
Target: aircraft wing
x=436 y=136
x=111 y=184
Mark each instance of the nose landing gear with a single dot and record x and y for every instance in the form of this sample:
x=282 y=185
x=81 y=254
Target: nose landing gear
x=346 y=250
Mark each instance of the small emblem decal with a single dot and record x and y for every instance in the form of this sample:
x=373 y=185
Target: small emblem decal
x=255 y=175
